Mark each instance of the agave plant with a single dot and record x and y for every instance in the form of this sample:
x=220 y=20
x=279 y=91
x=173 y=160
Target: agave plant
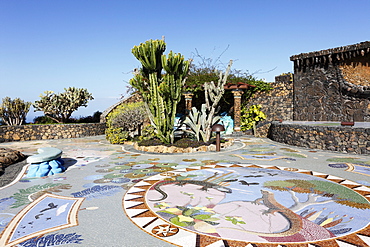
x=197 y=122
x=201 y=122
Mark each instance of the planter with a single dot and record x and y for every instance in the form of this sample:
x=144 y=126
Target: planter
x=173 y=149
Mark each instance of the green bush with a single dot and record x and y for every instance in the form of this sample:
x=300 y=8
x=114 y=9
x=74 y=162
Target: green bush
x=147 y=133
x=116 y=135
x=250 y=117
x=95 y=118
x=123 y=121
x=44 y=120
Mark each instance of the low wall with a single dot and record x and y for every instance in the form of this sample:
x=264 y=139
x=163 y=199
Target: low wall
x=49 y=131
x=333 y=138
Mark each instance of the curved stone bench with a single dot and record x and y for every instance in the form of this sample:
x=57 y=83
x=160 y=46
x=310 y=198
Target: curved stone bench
x=47 y=162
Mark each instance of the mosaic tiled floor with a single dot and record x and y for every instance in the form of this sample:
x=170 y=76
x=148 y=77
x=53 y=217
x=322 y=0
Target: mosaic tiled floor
x=237 y=205
x=262 y=194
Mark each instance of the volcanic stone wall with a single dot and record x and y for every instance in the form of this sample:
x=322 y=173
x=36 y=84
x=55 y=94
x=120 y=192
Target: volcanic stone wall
x=276 y=104
x=49 y=131
x=333 y=84
x=335 y=138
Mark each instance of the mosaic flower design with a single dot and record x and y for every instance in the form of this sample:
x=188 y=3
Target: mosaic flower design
x=200 y=218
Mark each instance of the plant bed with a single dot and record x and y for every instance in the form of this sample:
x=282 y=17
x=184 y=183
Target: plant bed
x=181 y=146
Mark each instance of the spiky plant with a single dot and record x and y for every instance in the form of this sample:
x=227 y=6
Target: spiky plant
x=161 y=92
x=201 y=122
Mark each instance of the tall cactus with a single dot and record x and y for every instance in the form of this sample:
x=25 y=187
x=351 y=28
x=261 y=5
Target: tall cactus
x=161 y=92
x=13 y=112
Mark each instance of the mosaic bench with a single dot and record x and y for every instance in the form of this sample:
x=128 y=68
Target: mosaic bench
x=47 y=162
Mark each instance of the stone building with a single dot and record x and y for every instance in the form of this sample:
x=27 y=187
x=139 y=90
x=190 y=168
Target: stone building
x=332 y=84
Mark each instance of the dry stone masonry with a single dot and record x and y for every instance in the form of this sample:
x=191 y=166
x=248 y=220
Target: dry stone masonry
x=276 y=104
x=49 y=131
x=334 y=138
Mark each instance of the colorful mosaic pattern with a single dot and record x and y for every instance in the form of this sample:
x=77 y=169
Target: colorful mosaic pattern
x=250 y=204
x=47 y=213
x=183 y=199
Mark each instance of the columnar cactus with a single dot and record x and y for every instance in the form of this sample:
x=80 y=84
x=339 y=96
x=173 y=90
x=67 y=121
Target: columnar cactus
x=13 y=112
x=161 y=92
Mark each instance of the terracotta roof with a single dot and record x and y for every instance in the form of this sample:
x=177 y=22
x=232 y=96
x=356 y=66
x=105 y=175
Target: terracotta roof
x=239 y=85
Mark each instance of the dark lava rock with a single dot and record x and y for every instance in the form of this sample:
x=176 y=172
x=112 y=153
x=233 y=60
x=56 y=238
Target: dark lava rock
x=9 y=157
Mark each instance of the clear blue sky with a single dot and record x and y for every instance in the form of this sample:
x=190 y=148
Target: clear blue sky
x=52 y=45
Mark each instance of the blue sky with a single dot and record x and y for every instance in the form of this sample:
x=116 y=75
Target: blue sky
x=52 y=45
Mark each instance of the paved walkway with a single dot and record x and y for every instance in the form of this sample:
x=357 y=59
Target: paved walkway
x=257 y=193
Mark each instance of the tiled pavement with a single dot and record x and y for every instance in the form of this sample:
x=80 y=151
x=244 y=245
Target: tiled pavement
x=257 y=193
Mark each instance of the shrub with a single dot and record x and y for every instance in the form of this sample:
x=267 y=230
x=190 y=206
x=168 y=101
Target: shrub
x=127 y=116
x=95 y=118
x=44 y=120
x=123 y=121
x=147 y=133
x=250 y=117
x=116 y=135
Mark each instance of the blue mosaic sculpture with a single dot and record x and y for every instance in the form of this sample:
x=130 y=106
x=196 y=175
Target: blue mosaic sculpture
x=47 y=162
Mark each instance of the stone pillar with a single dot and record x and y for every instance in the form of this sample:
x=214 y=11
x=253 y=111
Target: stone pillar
x=188 y=100
x=237 y=107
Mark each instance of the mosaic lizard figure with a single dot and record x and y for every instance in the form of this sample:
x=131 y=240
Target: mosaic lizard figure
x=269 y=201
x=204 y=183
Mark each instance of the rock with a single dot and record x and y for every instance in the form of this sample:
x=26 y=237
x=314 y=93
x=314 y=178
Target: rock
x=9 y=157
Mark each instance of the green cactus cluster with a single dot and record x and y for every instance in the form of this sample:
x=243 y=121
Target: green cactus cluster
x=13 y=112
x=161 y=91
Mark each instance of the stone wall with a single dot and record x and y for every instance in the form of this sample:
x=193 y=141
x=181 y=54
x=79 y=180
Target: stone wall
x=334 y=138
x=276 y=104
x=49 y=131
x=333 y=84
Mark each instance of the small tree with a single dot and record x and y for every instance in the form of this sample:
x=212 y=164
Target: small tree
x=61 y=106
x=14 y=112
